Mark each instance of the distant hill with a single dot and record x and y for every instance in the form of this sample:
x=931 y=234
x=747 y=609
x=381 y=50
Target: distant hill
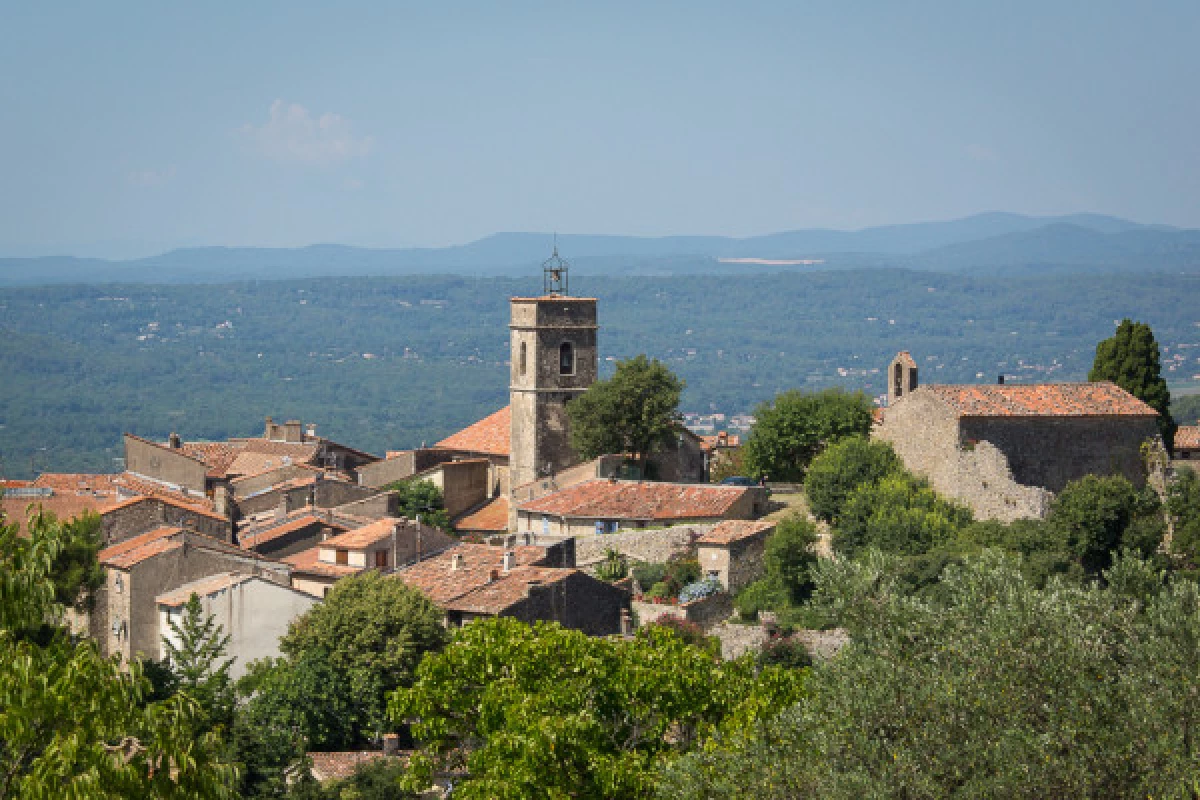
x=1008 y=242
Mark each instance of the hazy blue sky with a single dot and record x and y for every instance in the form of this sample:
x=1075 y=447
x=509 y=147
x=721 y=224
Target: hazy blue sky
x=130 y=128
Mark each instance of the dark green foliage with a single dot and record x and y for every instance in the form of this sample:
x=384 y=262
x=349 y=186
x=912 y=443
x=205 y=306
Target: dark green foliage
x=630 y=413
x=420 y=498
x=1130 y=359
x=761 y=595
x=1043 y=549
x=76 y=572
x=659 y=591
x=688 y=632
x=784 y=651
x=789 y=557
x=648 y=573
x=899 y=514
x=681 y=570
x=793 y=428
x=375 y=780
x=1183 y=503
x=1185 y=409
x=373 y=630
x=842 y=468
x=1095 y=516
x=195 y=654
x=614 y=567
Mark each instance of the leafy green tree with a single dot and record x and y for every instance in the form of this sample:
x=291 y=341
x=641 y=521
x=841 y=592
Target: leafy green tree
x=422 y=498
x=290 y=707
x=842 y=468
x=76 y=572
x=634 y=411
x=542 y=711
x=73 y=723
x=1096 y=516
x=1042 y=547
x=1130 y=359
x=899 y=514
x=793 y=428
x=790 y=555
x=374 y=630
x=374 y=780
x=195 y=654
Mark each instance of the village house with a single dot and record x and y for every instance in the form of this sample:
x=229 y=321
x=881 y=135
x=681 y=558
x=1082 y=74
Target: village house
x=1187 y=443
x=732 y=552
x=1004 y=450
x=606 y=506
x=381 y=545
x=124 y=619
x=252 y=611
x=525 y=582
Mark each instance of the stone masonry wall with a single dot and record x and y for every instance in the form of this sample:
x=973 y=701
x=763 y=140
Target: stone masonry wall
x=135 y=519
x=162 y=464
x=655 y=545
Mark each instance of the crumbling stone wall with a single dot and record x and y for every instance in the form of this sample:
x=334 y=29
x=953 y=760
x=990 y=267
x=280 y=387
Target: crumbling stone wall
x=655 y=545
x=141 y=517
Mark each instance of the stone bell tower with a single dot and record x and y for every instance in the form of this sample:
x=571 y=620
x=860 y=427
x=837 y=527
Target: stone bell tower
x=554 y=360
x=902 y=376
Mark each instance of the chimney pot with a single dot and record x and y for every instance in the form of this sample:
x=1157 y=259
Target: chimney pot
x=173 y=441
x=1000 y=380
x=510 y=560
x=456 y=562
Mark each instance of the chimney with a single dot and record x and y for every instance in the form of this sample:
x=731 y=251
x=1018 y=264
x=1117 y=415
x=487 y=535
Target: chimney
x=292 y=431
x=391 y=744
x=456 y=562
x=221 y=501
x=1000 y=379
x=510 y=560
x=310 y=432
x=281 y=510
x=173 y=441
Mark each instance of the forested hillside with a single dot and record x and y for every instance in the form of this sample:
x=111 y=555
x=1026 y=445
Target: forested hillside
x=383 y=363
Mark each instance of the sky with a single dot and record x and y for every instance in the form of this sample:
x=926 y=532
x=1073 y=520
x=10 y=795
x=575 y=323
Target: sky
x=133 y=128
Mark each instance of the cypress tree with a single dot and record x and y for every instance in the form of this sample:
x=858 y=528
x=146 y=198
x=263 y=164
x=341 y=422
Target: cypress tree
x=1129 y=358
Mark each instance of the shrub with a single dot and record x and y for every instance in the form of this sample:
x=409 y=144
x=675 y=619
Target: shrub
x=699 y=589
x=689 y=632
x=762 y=595
x=786 y=652
x=659 y=591
x=680 y=572
x=613 y=568
x=648 y=573
x=841 y=469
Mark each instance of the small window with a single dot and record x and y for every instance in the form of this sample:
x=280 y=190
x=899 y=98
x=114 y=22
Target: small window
x=523 y=359
x=342 y=557
x=566 y=359
x=381 y=558
x=898 y=380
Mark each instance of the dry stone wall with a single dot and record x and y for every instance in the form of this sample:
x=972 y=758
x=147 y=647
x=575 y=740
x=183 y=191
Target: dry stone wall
x=654 y=545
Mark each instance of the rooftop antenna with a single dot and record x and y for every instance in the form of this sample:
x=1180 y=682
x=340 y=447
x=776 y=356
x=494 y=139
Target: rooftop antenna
x=554 y=273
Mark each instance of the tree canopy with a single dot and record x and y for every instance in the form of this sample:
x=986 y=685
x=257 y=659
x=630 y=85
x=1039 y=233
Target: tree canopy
x=841 y=469
x=421 y=498
x=73 y=723
x=1130 y=359
x=632 y=412
x=195 y=654
x=793 y=428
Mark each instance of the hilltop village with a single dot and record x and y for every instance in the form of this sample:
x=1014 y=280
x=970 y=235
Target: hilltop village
x=260 y=529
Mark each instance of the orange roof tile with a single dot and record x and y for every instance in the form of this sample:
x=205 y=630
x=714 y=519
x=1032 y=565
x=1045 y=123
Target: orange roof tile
x=76 y=481
x=1187 y=437
x=63 y=506
x=170 y=500
x=365 y=536
x=1102 y=399
x=309 y=562
x=442 y=584
x=735 y=530
x=269 y=533
x=202 y=587
x=129 y=484
x=341 y=765
x=508 y=589
x=709 y=443
x=491 y=435
x=492 y=516
x=602 y=499
x=133 y=551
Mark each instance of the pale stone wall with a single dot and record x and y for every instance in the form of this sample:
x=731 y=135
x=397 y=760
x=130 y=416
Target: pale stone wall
x=735 y=565
x=254 y=484
x=707 y=612
x=161 y=464
x=655 y=546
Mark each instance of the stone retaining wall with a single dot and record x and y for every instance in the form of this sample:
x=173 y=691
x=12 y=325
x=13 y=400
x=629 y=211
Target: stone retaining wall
x=707 y=612
x=655 y=545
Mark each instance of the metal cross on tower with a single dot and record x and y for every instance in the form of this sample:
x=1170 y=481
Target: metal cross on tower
x=554 y=273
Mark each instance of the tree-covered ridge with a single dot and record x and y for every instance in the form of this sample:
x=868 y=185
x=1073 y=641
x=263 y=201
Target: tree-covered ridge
x=384 y=363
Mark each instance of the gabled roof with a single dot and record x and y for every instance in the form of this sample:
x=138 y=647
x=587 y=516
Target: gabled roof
x=508 y=589
x=905 y=358
x=491 y=435
x=333 y=766
x=442 y=584
x=492 y=516
x=736 y=530
x=136 y=550
x=169 y=500
x=367 y=535
x=1101 y=399
x=64 y=506
x=607 y=499
x=1187 y=437
x=202 y=587
x=268 y=533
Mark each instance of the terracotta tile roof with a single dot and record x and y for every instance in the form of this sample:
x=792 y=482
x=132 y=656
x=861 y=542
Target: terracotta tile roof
x=709 y=443
x=341 y=765
x=309 y=562
x=367 y=535
x=491 y=435
x=130 y=484
x=136 y=550
x=906 y=359
x=1187 y=437
x=1101 y=399
x=77 y=481
x=217 y=456
x=492 y=516
x=64 y=507
x=202 y=587
x=508 y=589
x=254 y=463
x=262 y=534
x=735 y=530
x=602 y=499
x=442 y=584
x=13 y=483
